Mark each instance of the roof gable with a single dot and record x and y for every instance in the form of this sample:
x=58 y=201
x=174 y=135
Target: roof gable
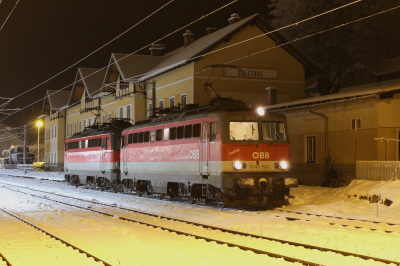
x=184 y=55
x=89 y=80
x=55 y=100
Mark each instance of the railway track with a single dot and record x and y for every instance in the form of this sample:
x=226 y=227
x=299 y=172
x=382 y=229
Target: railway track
x=345 y=222
x=19 y=235
x=217 y=234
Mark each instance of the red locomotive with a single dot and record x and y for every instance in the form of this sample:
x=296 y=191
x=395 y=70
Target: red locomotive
x=223 y=153
x=91 y=157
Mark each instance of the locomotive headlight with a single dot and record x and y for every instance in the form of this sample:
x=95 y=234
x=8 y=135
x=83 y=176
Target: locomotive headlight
x=260 y=111
x=238 y=165
x=283 y=165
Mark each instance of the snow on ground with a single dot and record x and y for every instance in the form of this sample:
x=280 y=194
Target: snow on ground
x=316 y=200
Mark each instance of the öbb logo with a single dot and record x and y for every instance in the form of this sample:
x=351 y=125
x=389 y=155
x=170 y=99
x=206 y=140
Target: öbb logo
x=260 y=155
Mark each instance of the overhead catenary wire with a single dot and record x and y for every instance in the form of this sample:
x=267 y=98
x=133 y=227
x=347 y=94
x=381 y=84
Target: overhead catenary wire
x=344 y=24
x=98 y=49
x=204 y=16
x=9 y=14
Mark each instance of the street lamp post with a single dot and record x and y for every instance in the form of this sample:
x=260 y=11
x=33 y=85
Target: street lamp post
x=38 y=123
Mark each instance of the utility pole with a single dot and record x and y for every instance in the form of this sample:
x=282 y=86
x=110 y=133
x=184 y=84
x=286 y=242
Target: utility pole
x=24 y=159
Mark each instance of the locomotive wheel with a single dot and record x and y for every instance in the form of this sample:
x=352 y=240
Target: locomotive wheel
x=191 y=200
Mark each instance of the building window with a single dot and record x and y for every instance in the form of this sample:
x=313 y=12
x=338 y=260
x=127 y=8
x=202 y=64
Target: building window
x=128 y=111
x=75 y=127
x=109 y=117
x=161 y=104
x=71 y=130
x=89 y=122
x=115 y=114
x=67 y=129
x=183 y=100
x=121 y=112
x=55 y=131
x=103 y=119
x=311 y=149
x=150 y=109
x=172 y=101
x=80 y=126
x=355 y=123
x=84 y=124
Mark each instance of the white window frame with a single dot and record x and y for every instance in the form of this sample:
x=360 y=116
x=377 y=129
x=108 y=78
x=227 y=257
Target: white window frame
x=80 y=126
x=150 y=110
x=89 y=121
x=181 y=97
x=109 y=117
x=55 y=131
x=75 y=129
x=103 y=118
x=121 y=112
x=84 y=123
x=306 y=148
x=129 y=111
x=67 y=130
x=161 y=102
x=169 y=101
x=71 y=130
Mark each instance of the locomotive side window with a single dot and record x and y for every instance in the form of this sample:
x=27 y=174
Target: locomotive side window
x=146 y=136
x=130 y=138
x=141 y=137
x=152 y=135
x=105 y=143
x=213 y=129
x=159 y=134
x=273 y=131
x=166 y=134
x=98 y=142
x=180 y=131
x=172 y=132
x=188 y=131
x=205 y=131
x=135 y=138
x=196 y=130
x=243 y=131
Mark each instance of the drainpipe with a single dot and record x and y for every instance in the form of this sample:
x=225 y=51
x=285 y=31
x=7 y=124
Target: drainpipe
x=326 y=135
x=153 y=97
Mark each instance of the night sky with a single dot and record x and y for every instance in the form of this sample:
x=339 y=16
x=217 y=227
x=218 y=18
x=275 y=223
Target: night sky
x=43 y=37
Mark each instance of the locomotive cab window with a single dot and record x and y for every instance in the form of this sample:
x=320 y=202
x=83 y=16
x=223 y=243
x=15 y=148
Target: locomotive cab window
x=105 y=143
x=273 y=131
x=130 y=138
x=205 y=131
x=117 y=143
x=243 y=131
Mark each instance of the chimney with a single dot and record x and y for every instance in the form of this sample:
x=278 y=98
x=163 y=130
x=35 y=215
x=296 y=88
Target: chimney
x=272 y=94
x=210 y=30
x=234 y=18
x=188 y=37
x=157 y=49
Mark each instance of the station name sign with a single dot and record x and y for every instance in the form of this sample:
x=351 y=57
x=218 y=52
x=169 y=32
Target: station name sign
x=252 y=73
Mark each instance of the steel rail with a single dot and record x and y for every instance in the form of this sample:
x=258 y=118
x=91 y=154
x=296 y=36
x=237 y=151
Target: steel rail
x=312 y=247
x=4 y=259
x=56 y=237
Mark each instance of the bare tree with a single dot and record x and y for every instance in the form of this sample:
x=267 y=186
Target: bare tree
x=338 y=50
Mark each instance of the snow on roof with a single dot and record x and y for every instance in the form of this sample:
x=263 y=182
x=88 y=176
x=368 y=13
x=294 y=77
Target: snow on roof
x=348 y=95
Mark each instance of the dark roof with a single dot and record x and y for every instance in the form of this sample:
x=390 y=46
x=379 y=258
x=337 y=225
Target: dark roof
x=57 y=99
x=184 y=55
x=133 y=66
x=384 y=66
x=92 y=79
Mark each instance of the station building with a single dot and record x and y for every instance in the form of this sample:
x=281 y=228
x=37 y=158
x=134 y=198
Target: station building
x=133 y=86
x=340 y=130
